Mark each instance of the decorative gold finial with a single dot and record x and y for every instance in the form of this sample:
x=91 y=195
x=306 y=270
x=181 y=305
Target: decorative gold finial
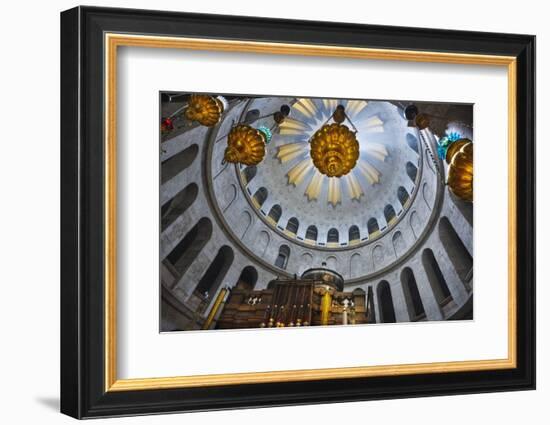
x=422 y=121
x=246 y=145
x=206 y=110
x=460 y=176
x=334 y=150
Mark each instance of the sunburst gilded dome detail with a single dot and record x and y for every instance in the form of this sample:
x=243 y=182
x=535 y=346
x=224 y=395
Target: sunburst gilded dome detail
x=307 y=118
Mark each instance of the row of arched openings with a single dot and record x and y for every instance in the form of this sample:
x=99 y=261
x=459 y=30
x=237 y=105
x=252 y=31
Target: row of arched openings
x=413 y=299
x=184 y=254
x=179 y=203
x=188 y=250
x=292 y=226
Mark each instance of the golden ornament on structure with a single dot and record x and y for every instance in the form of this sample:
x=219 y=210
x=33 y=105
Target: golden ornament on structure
x=206 y=110
x=422 y=121
x=334 y=150
x=245 y=145
x=460 y=176
x=339 y=115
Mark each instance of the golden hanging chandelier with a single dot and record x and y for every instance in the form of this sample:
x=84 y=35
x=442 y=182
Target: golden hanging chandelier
x=334 y=147
x=206 y=110
x=460 y=176
x=246 y=145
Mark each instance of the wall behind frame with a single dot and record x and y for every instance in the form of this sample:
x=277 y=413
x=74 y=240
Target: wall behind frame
x=29 y=219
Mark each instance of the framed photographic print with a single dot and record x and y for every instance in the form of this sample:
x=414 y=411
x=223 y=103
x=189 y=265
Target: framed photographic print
x=261 y=212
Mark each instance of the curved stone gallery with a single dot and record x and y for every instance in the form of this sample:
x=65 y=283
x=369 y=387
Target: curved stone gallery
x=291 y=211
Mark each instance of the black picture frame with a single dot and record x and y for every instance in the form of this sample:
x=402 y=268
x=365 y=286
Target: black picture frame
x=83 y=392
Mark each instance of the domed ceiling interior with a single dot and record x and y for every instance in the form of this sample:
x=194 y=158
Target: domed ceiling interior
x=257 y=191
x=375 y=190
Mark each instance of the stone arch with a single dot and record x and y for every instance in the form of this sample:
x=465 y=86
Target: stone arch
x=263 y=242
x=244 y=223
x=251 y=116
x=377 y=256
x=372 y=226
x=306 y=260
x=282 y=258
x=332 y=262
x=176 y=206
x=389 y=213
x=229 y=195
x=293 y=225
x=456 y=251
x=188 y=249
x=385 y=302
x=437 y=281
x=403 y=196
x=412 y=171
x=260 y=196
x=414 y=221
x=213 y=276
x=413 y=300
x=275 y=213
x=248 y=278
x=354 y=234
x=333 y=236
x=427 y=194
x=355 y=264
x=174 y=165
x=398 y=244
x=412 y=141
x=249 y=173
x=311 y=233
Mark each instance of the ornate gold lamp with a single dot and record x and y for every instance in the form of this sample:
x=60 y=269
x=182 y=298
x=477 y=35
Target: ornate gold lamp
x=334 y=147
x=456 y=151
x=460 y=176
x=246 y=145
x=206 y=110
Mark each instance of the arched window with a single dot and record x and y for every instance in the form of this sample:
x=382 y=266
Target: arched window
x=251 y=116
x=372 y=226
x=260 y=196
x=249 y=173
x=353 y=233
x=412 y=296
x=389 y=213
x=385 y=302
x=247 y=279
x=457 y=252
x=176 y=206
x=177 y=163
x=412 y=142
x=275 y=213
x=282 y=258
x=332 y=263
x=187 y=250
x=292 y=225
x=402 y=195
x=398 y=243
x=212 y=278
x=311 y=233
x=435 y=277
x=411 y=171
x=333 y=236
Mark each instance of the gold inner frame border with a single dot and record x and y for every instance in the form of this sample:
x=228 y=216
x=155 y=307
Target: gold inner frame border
x=113 y=40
